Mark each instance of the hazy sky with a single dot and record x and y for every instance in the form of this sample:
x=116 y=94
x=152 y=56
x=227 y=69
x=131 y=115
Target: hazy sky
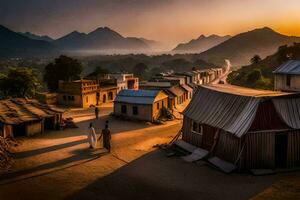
x=171 y=21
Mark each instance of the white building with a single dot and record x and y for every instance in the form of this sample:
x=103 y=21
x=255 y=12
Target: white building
x=125 y=81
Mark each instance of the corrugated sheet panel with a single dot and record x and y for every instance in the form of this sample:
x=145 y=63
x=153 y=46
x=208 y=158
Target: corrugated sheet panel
x=259 y=151
x=293 y=152
x=137 y=96
x=289 y=110
x=176 y=91
x=226 y=111
x=289 y=67
x=138 y=93
x=228 y=147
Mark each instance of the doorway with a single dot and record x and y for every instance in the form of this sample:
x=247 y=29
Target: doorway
x=104 y=98
x=281 y=142
x=19 y=130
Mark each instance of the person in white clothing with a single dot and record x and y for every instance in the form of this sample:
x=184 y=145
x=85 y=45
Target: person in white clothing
x=92 y=137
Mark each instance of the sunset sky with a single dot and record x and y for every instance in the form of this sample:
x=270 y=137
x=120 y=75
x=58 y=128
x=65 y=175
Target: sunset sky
x=171 y=21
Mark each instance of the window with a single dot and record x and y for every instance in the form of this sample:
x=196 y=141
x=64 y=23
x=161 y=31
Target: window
x=135 y=110
x=123 y=109
x=86 y=99
x=64 y=97
x=288 y=80
x=69 y=98
x=157 y=106
x=162 y=104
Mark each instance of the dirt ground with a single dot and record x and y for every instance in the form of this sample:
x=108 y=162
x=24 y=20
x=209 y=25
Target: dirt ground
x=59 y=165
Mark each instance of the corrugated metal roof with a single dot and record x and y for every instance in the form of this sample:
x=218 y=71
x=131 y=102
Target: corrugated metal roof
x=137 y=96
x=234 y=112
x=242 y=91
x=289 y=67
x=186 y=87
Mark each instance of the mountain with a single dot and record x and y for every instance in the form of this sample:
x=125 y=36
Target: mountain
x=17 y=45
x=100 y=39
x=154 y=45
x=242 y=47
x=37 y=37
x=260 y=75
x=201 y=44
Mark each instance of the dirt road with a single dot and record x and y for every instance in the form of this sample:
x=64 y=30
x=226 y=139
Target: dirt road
x=58 y=164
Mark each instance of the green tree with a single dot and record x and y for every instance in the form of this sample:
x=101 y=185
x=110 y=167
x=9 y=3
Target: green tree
x=254 y=76
x=255 y=59
x=19 y=82
x=141 y=70
x=64 y=68
x=98 y=73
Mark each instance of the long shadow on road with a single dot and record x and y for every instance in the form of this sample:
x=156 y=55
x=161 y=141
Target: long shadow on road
x=79 y=157
x=154 y=176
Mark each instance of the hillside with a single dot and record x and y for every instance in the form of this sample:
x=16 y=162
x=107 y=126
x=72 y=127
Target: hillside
x=240 y=48
x=16 y=45
x=100 y=39
x=200 y=44
x=37 y=37
x=259 y=75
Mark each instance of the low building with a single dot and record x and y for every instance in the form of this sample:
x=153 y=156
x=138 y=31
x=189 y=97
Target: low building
x=244 y=128
x=47 y=98
x=145 y=105
x=180 y=95
x=188 y=91
x=80 y=93
x=23 y=117
x=86 y=93
x=125 y=81
x=287 y=76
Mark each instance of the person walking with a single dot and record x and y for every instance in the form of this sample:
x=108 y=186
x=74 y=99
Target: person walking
x=92 y=139
x=97 y=112
x=106 y=137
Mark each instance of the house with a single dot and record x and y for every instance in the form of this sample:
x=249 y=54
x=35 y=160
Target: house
x=188 y=91
x=287 y=76
x=244 y=128
x=145 y=105
x=79 y=93
x=46 y=97
x=125 y=81
x=23 y=117
x=179 y=93
x=86 y=93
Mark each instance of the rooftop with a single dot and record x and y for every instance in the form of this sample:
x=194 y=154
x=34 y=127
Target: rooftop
x=16 y=111
x=290 y=67
x=242 y=91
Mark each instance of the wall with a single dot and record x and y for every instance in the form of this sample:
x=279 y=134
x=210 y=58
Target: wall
x=144 y=111
x=280 y=82
x=89 y=99
x=33 y=128
x=106 y=93
x=69 y=100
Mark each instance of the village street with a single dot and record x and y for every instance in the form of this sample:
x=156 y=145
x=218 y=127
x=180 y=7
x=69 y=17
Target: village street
x=133 y=170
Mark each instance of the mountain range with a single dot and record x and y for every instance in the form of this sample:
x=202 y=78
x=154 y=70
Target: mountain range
x=200 y=44
x=27 y=44
x=100 y=39
x=37 y=37
x=242 y=47
x=13 y=44
x=239 y=49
